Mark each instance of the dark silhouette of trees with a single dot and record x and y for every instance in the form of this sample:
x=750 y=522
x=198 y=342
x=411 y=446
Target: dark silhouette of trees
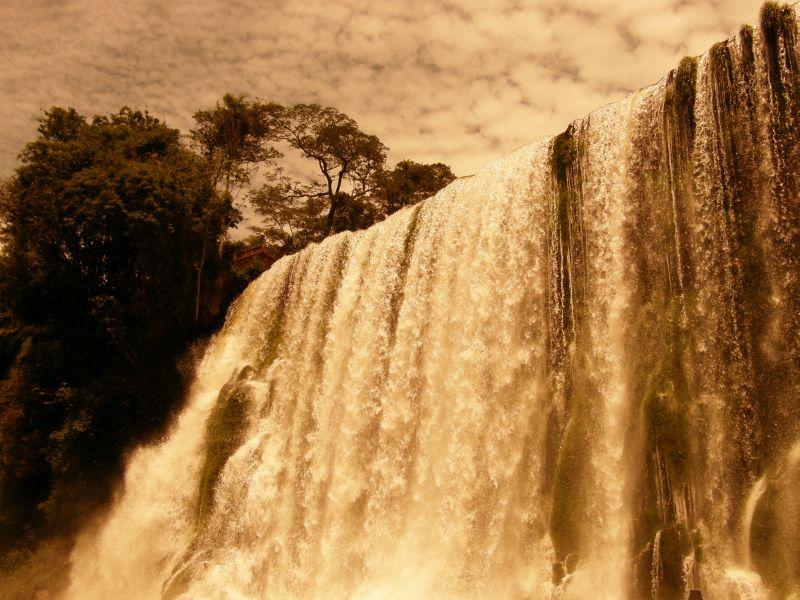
x=408 y=183
x=347 y=160
x=103 y=226
x=353 y=189
x=233 y=139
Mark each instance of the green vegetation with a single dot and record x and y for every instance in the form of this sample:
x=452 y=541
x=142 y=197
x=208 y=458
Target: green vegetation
x=408 y=183
x=231 y=140
x=116 y=263
x=224 y=434
x=103 y=226
x=352 y=189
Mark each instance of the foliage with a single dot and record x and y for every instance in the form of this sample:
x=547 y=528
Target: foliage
x=292 y=221
x=353 y=190
x=347 y=160
x=410 y=182
x=103 y=225
x=232 y=139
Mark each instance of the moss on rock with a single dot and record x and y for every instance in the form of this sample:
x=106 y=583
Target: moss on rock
x=224 y=434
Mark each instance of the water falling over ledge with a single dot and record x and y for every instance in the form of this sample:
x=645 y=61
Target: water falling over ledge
x=573 y=375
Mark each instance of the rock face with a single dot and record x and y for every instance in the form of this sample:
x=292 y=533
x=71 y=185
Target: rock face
x=573 y=375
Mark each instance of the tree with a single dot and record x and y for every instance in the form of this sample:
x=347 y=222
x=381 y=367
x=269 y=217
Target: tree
x=408 y=183
x=102 y=226
x=233 y=140
x=346 y=157
x=108 y=213
x=353 y=191
x=293 y=222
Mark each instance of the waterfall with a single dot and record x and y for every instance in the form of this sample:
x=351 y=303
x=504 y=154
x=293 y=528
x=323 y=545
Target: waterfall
x=759 y=487
x=561 y=377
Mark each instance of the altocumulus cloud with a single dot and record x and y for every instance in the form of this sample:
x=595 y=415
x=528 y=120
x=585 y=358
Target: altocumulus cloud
x=461 y=81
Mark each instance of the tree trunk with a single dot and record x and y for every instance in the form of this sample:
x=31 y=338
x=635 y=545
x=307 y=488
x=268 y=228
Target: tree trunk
x=332 y=213
x=199 y=282
x=204 y=252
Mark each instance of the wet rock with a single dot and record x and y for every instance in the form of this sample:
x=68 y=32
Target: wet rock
x=571 y=563
x=558 y=572
x=670 y=547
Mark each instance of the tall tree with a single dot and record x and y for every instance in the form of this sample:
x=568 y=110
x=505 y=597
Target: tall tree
x=296 y=222
x=233 y=140
x=347 y=160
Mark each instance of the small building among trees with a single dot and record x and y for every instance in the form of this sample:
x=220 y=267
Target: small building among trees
x=258 y=257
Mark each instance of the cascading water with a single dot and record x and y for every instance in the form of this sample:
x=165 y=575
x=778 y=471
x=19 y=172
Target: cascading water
x=559 y=378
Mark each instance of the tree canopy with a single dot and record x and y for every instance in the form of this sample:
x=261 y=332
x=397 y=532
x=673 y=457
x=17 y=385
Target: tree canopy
x=103 y=226
x=104 y=222
x=408 y=183
x=233 y=139
x=353 y=188
x=343 y=153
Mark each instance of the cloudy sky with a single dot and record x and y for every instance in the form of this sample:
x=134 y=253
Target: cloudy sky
x=458 y=81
